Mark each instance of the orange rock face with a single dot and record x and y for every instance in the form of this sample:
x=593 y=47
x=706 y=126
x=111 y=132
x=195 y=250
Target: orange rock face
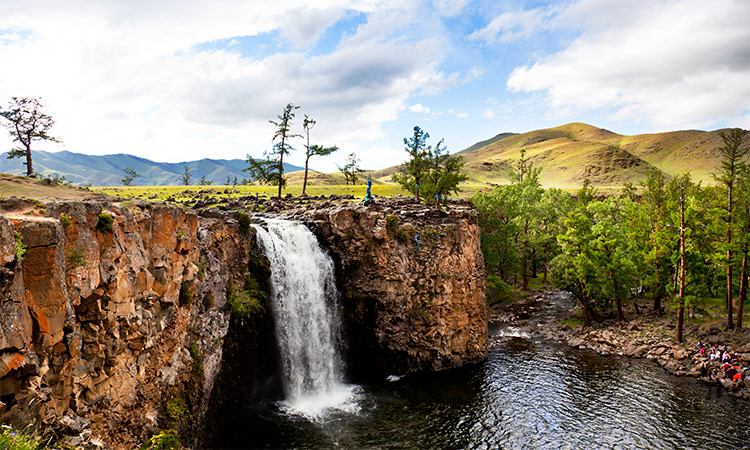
x=413 y=285
x=112 y=309
x=91 y=325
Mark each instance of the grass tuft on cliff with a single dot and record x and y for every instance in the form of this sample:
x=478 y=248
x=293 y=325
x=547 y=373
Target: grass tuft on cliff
x=247 y=302
x=12 y=439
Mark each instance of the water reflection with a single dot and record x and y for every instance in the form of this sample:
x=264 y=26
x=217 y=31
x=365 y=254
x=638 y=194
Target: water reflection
x=526 y=395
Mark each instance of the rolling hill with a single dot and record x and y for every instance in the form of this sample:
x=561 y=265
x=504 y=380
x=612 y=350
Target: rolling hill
x=570 y=153
x=108 y=170
x=566 y=156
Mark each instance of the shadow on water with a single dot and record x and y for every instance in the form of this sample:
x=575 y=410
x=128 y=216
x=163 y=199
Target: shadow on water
x=528 y=394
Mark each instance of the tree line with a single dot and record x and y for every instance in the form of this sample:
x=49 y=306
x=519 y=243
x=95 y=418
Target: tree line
x=672 y=240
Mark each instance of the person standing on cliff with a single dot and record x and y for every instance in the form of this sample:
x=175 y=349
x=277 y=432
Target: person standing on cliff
x=368 y=195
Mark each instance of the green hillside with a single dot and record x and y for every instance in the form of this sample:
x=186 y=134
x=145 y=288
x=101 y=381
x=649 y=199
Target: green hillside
x=481 y=144
x=571 y=153
x=567 y=155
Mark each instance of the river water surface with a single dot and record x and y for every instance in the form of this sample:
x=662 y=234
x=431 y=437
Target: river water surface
x=528 y=394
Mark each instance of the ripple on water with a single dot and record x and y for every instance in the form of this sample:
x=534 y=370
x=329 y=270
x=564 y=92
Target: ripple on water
x=525 y=395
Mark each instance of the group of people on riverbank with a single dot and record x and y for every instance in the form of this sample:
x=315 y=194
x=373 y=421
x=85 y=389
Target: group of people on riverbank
x=719 y=365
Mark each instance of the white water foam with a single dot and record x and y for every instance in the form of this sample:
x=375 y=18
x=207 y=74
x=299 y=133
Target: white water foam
x=304 y=302
x=512 y=332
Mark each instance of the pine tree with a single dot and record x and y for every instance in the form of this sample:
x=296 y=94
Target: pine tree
x=271 y=170
x=734 y=153
x=414 y=169
x=186 y=176
x=130 y=175
x=433 y=172
x=314 y=150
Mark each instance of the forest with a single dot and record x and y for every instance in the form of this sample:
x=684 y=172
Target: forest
x=672 y=241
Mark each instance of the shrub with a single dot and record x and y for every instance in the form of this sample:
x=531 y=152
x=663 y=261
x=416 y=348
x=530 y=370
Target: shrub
x=247 y=302
x=186 y=293
x=178 y=411
x=105 y=222
x=201 y=269
x=244 y=303
x=20 y=248
x=166 y=440
x=244 y=221
x=66 y=220
x=391 y=222
x=74 y=258
x=208 y=301
x=497 y=290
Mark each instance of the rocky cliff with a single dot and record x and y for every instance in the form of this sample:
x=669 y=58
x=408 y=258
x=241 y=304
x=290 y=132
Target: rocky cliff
x=412 y=280
x=119 y=321
x=110 y=312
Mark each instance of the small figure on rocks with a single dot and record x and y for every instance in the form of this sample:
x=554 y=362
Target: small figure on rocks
x=368 y=195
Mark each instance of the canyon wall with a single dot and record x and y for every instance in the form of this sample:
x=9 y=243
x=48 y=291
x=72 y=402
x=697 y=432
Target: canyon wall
x=109 y=312
x=412 y=281
x=119 y=321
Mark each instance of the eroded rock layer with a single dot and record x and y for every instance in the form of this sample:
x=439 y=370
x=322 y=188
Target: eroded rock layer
x=110 y=311
x=119 y=321
x=412 y=279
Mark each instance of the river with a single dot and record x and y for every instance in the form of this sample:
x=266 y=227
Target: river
x=530 y=393
x=527 y=394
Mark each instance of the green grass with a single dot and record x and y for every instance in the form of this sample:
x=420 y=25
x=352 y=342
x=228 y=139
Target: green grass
x=12 y=185
x=178 y=192
x=573 y=321
x=537 y=283
x=12 y=439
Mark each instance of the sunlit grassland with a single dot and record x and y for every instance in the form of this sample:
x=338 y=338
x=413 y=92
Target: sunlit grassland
x=160 y=193
x=180 y=193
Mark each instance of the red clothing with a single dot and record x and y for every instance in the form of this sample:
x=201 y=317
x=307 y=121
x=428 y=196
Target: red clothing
x=737 y=377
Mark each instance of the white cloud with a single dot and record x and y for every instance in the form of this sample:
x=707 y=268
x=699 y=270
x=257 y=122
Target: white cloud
x=450 y=8
x=125 y=77
x=419 y=109
x=462 y=115
x=487 y=114
x=673 y=63
x=510 y=26
x=302 y=27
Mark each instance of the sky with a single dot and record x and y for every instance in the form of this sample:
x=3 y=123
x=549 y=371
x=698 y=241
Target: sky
x=179 y=80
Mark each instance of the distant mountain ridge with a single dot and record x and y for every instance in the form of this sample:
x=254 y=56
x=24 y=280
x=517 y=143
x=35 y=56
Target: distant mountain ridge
x=108 y=170
x=566 y=155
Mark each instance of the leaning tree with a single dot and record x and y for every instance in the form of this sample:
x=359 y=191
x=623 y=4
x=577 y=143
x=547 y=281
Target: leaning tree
x=27 y=124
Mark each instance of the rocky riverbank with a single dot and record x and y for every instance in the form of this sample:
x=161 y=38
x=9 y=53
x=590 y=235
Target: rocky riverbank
x=643 y=336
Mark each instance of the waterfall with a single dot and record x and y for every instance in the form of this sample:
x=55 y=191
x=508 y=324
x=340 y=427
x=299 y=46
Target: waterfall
x=304 y=303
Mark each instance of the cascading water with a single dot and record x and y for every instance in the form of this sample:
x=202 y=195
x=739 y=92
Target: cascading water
x=303 y=299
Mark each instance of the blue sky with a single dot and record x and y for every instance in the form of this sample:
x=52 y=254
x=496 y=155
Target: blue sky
x=178 y=80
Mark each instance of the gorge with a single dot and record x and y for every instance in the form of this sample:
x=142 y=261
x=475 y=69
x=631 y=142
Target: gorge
x=121 y=321
x=125 y=321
